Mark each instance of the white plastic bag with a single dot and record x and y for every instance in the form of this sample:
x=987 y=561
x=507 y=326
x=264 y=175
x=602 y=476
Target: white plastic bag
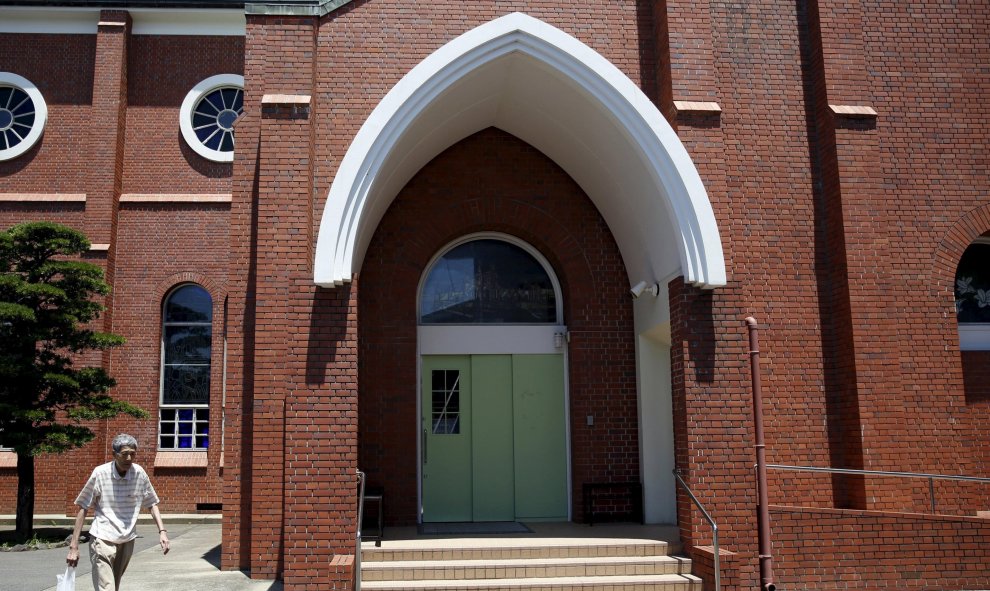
x=67 y=581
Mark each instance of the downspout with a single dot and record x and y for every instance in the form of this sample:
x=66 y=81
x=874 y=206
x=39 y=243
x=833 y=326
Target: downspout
x=762 y=509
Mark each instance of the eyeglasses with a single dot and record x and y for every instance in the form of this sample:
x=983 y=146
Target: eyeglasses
x=126 y=454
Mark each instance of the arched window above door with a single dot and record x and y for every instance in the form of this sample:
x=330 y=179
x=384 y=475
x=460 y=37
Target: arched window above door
x=489 y=280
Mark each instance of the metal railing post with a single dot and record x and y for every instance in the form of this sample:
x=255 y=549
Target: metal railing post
x=718 y=567
x=357 y=545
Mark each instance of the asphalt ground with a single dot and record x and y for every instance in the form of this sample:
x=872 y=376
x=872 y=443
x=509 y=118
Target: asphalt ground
x=192 y=564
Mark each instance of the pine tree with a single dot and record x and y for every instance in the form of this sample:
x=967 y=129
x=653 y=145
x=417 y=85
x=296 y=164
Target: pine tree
x=48 y=298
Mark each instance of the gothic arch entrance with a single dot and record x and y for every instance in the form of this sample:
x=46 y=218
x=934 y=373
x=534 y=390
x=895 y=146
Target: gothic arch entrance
x=541 y=85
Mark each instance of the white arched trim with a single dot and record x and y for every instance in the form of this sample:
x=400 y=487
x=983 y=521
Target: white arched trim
x=393 y=139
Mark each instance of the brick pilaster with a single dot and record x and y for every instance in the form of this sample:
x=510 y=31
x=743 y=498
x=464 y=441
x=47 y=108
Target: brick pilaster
x=861 y=346
x=106 y=144
x=107 y=124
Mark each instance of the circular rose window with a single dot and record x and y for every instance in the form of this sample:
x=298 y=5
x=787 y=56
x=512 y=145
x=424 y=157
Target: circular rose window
x=22 y=115
x=208 y=115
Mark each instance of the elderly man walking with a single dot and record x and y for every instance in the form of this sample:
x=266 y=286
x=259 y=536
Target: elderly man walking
x=118 y=490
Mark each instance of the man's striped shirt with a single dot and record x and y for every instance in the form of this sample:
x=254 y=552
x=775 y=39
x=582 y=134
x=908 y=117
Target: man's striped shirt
x=118 y=501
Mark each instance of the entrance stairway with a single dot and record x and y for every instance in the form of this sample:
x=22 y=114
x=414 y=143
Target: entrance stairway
x=497 y=564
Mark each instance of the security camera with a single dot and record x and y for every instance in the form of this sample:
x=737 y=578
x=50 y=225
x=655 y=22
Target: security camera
x=644 y=287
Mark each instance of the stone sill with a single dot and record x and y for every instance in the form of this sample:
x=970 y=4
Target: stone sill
x=181 y=459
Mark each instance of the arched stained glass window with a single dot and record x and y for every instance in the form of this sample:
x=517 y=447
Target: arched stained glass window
x=973 y=284
x=187 y=335
x=972 y=292
x=488 y=281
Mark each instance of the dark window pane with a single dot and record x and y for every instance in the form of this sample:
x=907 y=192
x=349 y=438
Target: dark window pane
x=168 y=428
x=203 y=442
x=212 y=100
x=201 y=119
x=488 y=282
x=165 y=442
x=185 y=442
x=187 y=345
x=168 y=414
x=186 y=384
x=973 y=285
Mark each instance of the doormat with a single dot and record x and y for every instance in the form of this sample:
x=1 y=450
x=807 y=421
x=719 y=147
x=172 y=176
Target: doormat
x=468 y=528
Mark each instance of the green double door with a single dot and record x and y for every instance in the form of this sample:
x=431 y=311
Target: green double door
x=494 y=444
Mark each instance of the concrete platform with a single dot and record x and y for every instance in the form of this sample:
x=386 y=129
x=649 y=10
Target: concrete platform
x=194 y=560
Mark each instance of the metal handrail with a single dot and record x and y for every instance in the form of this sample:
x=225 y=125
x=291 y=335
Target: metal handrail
x=360 y=518
x=697 y=503
x=931 y=477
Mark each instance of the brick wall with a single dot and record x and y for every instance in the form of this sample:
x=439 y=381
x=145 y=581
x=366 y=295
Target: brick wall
x=155 y=149
x=830 y=549
x=61 y=66
x=153 y=247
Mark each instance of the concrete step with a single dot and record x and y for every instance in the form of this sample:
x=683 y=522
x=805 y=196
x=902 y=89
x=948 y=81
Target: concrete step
x=529 y=568
x=480 y=550
x=670 y=582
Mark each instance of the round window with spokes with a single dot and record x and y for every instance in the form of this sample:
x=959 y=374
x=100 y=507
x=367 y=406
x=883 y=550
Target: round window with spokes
x=23 y=113
x=208 y=115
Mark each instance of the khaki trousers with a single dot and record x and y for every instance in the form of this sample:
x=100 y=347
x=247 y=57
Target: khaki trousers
x=109 y=562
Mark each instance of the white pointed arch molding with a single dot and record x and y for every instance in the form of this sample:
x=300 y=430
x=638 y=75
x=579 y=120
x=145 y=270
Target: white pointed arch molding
x=554 y=92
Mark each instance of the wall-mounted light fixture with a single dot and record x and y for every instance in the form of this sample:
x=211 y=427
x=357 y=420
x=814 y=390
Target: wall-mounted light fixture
x=558 y=340
x=644 y=287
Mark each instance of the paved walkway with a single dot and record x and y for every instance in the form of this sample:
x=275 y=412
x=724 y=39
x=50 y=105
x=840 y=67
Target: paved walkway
x=192 y=564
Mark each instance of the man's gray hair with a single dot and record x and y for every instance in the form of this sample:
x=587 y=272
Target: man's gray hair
x=124 y=440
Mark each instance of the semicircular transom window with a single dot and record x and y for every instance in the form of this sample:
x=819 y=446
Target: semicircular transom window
x=488 y=281
x=208 y=115
x=22 y=115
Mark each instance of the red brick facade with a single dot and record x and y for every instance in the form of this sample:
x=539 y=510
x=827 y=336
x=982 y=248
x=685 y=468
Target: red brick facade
x=841 y=233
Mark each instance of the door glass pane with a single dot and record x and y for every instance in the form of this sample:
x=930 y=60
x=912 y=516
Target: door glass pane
x=488 y=282
x=446 y=401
